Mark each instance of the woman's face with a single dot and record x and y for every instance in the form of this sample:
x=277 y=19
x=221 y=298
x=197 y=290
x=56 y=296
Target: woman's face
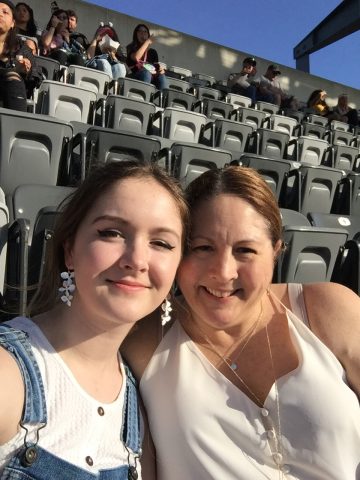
x=6 y=18
x=229 y=264
x=64 y=19
x=142 y=34
x=126 y=252
x=22 y=14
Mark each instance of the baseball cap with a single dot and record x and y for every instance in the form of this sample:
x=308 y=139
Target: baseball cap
x=9 y=4
x=274 y=68
x=249 y=61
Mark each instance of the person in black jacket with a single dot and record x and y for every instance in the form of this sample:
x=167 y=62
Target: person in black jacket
x=143 y=60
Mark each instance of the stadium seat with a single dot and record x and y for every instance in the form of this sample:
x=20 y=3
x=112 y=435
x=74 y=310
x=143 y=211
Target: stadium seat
x=215 y=109
x=267 y=107
x=281 y=123
x=66 y=102
x=252 y=117
x=177 y=84
x=189 y=161
x=309 y=150
x=33 y=149
x=88 y=78
x=347 y=197
x=180 y=125
x=135 y=89
x=177 y=99
x=238 y=100
x=50 y=68
x=269 y=143
x=128 y=114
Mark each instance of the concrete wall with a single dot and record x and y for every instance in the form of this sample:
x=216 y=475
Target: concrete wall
x=200 y=56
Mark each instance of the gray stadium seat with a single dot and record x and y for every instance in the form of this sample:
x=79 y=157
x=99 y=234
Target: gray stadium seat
x=267 y=107
x=135 y=89
x=214 y=109
x=88 y=78
x=177 y=99
x=188 y=161
x=309 y=150
x=238 y=100
x=180 y=125
x=269 y=143
x=50 y=68
x=252 y=117
x=128 y=114
x=66 y=102
x=281 y=123
x=33 y=149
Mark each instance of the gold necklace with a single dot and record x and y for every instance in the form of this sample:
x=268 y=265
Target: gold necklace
x=247 y=337
x=273 y=431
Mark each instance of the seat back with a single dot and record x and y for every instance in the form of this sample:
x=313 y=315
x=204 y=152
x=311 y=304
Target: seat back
x=340 y=126
x=66 y=102
x=33 y=149
x=283 y=124
x=271 y=143
x=274 y=172
x=252 y=117
x=104 y=145
x=88 y=78
x=177 y=84
x=178 y=99
x=238 y=100
x=310 y=254
x=344 y=157
x=4 y=224
x=50 y=68
x=214 y=109
x=232 y=136
x=313 y=130
x=28 y=200
x=318 y=186
x=293 y=218
x=317 y=119
x=135 y=89
x=189 y=161
x=128 y=114
x=183 y=126
x=267 y=107
x=206 y=92
x=311 y=150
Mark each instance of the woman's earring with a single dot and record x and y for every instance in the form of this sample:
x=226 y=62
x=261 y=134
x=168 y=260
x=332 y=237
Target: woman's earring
x=68 y=287
x=166 y=308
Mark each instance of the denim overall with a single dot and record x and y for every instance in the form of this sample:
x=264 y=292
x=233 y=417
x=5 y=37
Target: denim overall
x=33 y=462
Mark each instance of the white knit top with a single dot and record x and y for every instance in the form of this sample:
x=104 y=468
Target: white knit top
x=205 y=428
x=75 y=430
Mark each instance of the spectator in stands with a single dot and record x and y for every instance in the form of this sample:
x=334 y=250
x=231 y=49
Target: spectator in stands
x=120 y=239
x=16 y=61
x=318 y=104
x=252 y=379
x=57 y=43
x=142 y=60
x=24 y=20
x=109 y=59
x=74 y=34
x=242 y=83
x=346 y=114
x=270 y=87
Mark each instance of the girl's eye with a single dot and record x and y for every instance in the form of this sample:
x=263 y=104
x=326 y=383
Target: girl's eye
x=245 y=251
x=110 y=233
x=162 y=244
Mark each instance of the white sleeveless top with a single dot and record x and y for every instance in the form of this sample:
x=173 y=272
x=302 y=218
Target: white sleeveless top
x=75 y=430
x=205 y=428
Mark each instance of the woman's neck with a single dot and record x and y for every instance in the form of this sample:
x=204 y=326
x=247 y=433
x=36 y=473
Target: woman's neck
x=21 y=25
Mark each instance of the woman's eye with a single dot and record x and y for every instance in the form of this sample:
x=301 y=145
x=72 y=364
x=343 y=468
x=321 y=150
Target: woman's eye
x=162 y=244
x=110 y=233
x=201 y=248
x=245 y=251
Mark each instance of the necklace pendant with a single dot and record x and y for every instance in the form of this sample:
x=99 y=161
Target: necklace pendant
x=233 y=366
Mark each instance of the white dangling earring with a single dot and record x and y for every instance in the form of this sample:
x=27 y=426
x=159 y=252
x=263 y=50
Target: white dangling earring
x=166 y=308
x=68 y=287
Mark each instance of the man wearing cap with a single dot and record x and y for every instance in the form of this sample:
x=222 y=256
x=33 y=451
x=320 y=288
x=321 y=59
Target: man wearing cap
x=270 y=85
x=241 y=83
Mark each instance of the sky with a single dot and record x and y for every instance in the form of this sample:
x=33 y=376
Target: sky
x=264 y=28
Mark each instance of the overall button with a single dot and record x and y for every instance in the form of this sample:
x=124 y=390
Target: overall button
x=264 y=412
x=89 y=461
x=29 y=456
x=101 y=411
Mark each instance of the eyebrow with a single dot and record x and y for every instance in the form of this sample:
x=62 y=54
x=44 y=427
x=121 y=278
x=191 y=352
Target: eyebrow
x=124 y=222
x=208 y=239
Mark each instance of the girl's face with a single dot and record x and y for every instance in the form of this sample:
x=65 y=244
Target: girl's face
x=126 y=252
x=229 y=264
x=22 y=14
x=7 y=21
x=142 y=34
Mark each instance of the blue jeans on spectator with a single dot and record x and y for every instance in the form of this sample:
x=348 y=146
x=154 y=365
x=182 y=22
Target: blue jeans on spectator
x=115 y=70
x=145 y=76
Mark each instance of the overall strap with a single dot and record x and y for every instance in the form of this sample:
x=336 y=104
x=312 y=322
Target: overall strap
x=130 y=433
x=16 y=342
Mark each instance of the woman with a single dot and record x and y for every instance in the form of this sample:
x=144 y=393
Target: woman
x=143 y=60
x=119 y=239
x=16 y=61
x=106 y=59
x=252 y=380
x=57 y=43
x=345 y=113
x=24 y=18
